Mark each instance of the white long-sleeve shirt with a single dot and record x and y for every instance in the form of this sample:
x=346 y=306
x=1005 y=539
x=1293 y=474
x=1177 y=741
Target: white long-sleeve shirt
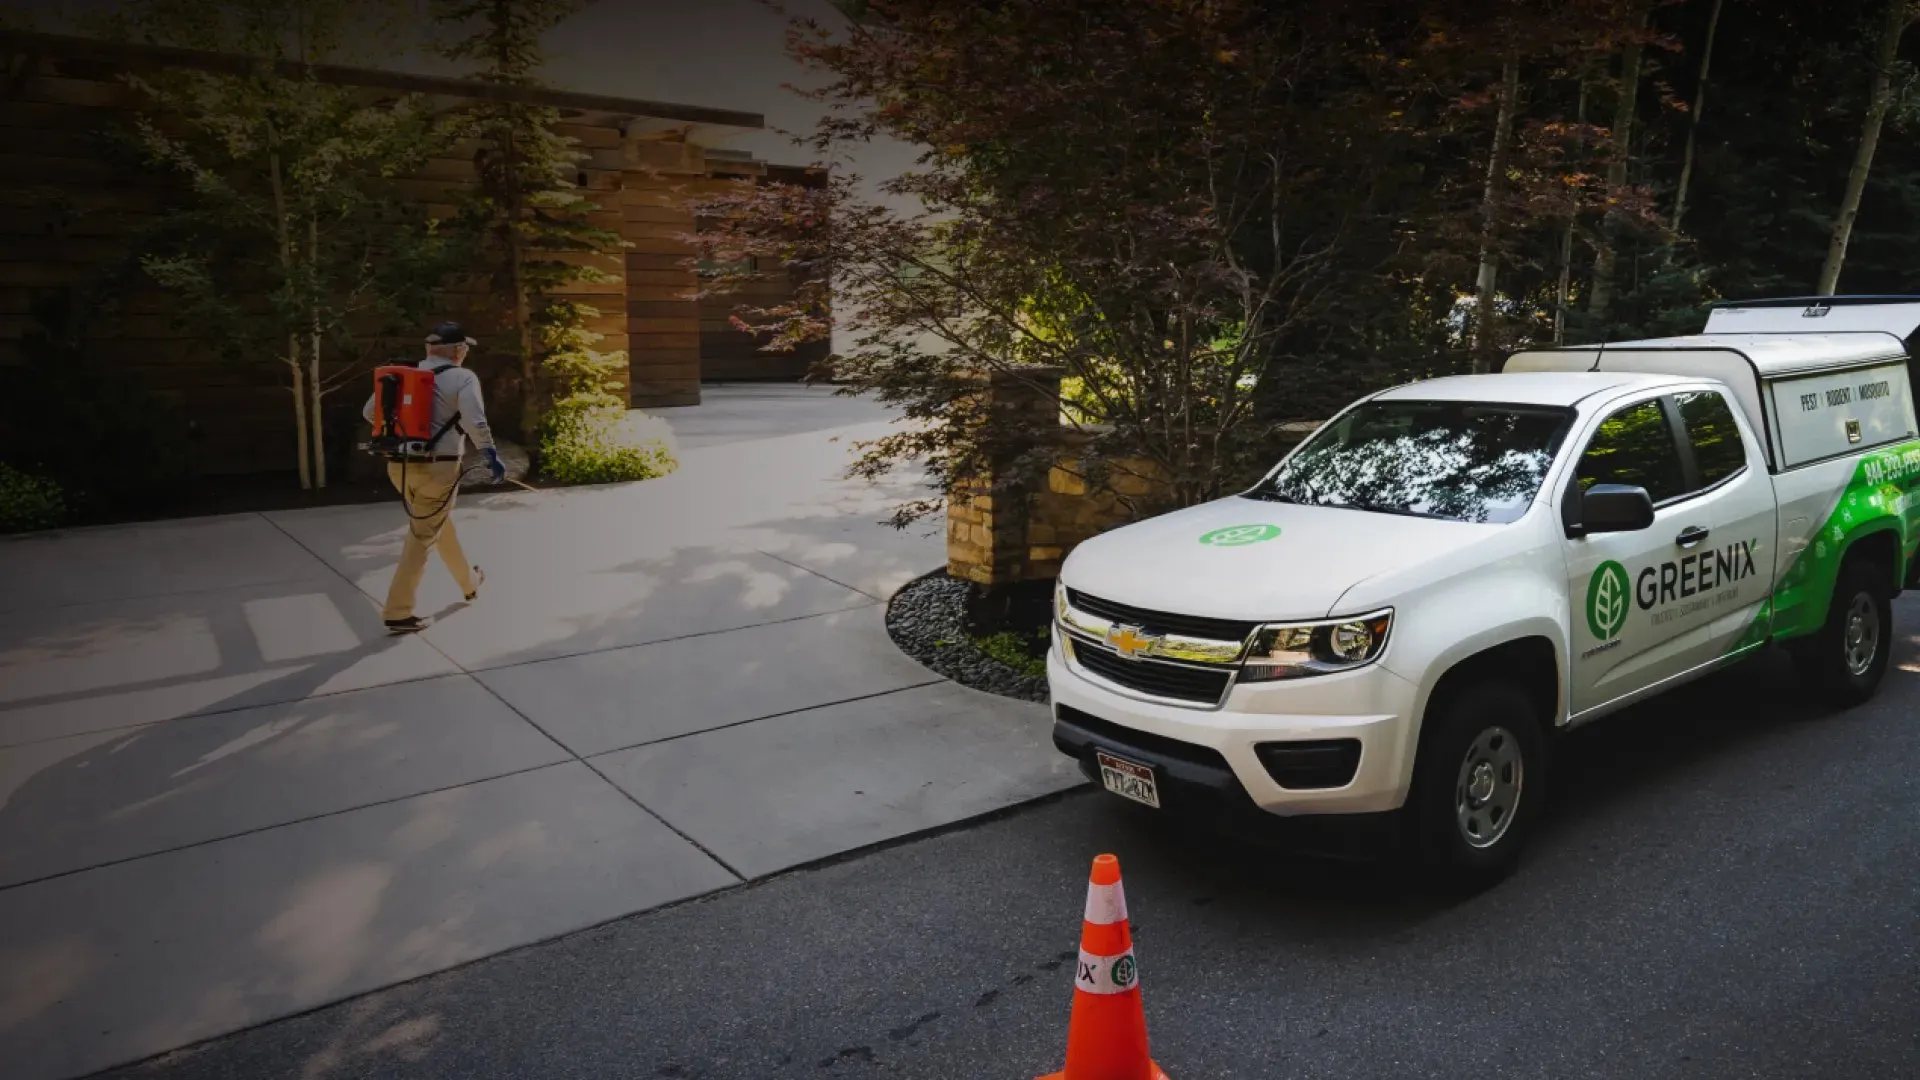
x=455 y=390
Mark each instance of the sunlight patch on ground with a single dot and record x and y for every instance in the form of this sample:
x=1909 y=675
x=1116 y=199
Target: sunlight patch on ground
x=296 y=627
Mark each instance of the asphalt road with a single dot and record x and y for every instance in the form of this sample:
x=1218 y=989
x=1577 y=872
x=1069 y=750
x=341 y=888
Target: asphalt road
x=1728 y=886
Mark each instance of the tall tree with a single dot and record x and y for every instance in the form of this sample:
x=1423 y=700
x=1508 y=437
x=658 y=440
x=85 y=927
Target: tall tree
x=1898 y=16
x=526 y=209
x=1693 y=118
x=292 y=243
x=1563 y=290
x=1620 y=158
x=1491 y=209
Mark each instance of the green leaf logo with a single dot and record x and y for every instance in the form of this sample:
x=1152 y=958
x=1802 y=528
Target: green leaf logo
x=1607 y=600
x=1240 y=535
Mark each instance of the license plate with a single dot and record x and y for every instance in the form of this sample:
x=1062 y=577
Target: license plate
x=1128 y=780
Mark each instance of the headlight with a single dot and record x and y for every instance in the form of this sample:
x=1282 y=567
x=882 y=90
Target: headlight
x=1294 y=651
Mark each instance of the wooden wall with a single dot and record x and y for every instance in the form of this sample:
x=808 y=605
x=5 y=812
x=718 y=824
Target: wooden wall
x=727 y=354
x=69 y=212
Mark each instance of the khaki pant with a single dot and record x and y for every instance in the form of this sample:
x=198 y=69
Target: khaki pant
x=428 y=487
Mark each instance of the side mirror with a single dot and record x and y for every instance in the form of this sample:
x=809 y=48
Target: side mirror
x=1612 y=508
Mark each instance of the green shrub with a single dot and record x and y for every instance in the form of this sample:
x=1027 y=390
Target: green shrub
x=1013 y=649
x=588 y=436
x=28 y=502
x=602 y=444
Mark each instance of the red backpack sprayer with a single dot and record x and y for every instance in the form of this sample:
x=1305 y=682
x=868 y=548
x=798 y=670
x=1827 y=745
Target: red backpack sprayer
x=403 y=431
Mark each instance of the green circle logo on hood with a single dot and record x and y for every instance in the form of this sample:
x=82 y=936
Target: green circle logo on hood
x=1240 y=535
x=1607 y=600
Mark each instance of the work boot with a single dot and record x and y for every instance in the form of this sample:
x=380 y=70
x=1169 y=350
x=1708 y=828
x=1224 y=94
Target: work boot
x=412 y=624
x=479 y=579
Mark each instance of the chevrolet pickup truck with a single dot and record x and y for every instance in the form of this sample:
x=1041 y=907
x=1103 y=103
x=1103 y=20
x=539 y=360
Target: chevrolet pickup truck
x=1400 y=616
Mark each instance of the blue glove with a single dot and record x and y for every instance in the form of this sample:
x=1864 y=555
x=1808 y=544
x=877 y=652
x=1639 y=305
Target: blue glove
x=494 y=466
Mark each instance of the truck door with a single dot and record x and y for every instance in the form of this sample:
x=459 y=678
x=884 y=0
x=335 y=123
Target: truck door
x=1631 y=628
x=1733 y=568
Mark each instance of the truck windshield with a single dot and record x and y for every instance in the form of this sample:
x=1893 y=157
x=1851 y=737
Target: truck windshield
x=1459 y=461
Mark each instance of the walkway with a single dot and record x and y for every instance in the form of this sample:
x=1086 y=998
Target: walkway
x=226 y=796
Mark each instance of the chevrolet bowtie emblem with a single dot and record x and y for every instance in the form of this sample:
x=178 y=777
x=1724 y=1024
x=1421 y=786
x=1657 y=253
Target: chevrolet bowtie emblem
x=1129 y=641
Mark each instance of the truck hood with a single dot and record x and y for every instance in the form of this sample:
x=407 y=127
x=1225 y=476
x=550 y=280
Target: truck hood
x=1241 y=558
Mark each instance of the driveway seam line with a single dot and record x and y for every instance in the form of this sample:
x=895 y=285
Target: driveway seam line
x=662 y=641
x=822 y=577
x=229 y=710
x=355 y=586
x=711 y=895
x=177 y=848
x=330 y=572
x=605 y=779
x=564 y=748
x=768 y=716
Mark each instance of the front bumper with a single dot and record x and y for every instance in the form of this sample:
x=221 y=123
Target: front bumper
x=1215 y=750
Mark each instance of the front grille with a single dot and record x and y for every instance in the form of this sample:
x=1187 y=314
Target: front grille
x=1154 y=677
x=1161 y=622
x=1306 y=766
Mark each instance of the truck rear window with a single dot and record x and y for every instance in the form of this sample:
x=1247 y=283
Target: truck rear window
x=1460 y=461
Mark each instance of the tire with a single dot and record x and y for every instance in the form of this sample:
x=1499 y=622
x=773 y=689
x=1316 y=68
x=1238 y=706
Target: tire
x=1481 y=742
x=1845 y=659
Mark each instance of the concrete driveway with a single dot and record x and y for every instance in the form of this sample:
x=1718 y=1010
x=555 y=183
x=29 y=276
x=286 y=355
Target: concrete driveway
x=226 y=796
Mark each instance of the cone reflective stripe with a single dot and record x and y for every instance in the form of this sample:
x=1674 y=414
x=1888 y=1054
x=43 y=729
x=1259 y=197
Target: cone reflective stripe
x=1107 y=1037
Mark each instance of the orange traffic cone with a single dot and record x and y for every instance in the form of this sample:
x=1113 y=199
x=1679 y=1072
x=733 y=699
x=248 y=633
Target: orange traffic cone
x=1107 y=1037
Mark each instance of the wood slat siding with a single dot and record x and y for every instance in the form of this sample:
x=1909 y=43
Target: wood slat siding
x=73 y=206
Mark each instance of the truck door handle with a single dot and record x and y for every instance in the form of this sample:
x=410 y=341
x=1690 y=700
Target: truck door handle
x=1690 y=536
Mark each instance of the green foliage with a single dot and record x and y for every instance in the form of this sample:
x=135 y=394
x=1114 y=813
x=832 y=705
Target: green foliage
x=1013 y=649
x=28 y=502
x=588 y=436
x=293 y=246
x=112 y=447
x=599 y=446
x=526 y=213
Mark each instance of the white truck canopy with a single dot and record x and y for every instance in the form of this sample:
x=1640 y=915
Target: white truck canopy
x=1784 y=352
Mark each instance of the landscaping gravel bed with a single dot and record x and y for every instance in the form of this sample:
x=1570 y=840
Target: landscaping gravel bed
x=925 y=621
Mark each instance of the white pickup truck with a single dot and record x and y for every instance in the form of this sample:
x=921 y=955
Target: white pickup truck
x=1396 y=619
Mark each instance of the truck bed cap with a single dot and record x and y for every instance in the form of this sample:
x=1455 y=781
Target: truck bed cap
x=1522 y=388
x=1771 y=354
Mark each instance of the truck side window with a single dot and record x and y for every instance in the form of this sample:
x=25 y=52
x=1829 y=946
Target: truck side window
x=1635 y=446
x=1717 y=448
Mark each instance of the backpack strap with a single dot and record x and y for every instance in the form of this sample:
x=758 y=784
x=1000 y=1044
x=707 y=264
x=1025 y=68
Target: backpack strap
x=452 y=421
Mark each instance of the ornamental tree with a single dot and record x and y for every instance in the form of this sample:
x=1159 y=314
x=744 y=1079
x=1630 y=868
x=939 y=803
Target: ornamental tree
x=1152 y=196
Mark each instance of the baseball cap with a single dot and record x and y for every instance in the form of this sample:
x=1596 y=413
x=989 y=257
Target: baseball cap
x=449 y=333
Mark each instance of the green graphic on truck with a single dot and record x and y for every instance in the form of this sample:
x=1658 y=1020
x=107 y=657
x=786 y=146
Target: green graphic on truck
x=1607 y=600
x=1883 y=495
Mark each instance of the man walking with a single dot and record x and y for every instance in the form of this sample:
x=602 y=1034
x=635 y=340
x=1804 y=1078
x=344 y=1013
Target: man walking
x=428 y=484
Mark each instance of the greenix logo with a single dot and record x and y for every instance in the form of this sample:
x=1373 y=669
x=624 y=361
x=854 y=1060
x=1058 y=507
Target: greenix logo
x=1607 y=600
x=1240 y=535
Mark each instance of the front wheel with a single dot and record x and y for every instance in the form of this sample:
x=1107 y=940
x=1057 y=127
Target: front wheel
x=1479 y=783
x=1845 y=659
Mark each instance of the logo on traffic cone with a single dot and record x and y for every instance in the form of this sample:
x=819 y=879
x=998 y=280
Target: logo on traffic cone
x=1107 y=1037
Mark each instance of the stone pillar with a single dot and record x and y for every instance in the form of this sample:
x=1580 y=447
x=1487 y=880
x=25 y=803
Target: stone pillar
x=988 y=517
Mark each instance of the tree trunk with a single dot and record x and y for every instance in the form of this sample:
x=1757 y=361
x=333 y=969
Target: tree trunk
x=313 y=357
x=1693 y=121
x=284 y=232
x=1565 y=294
x=516 y=267
x=1486 y=282
x=1600 y=301
x=299 y=409
x=1898 y=16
